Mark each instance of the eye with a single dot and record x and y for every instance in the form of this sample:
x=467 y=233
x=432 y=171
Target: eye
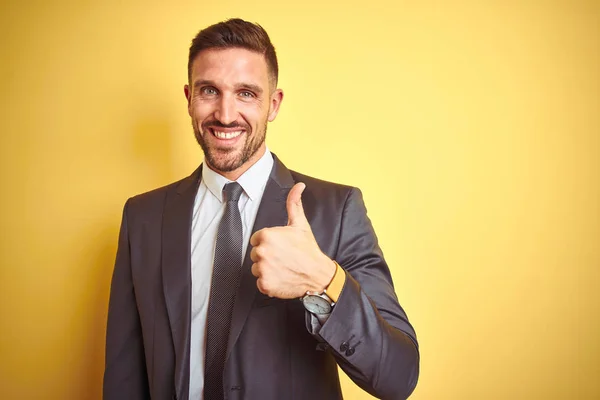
x=246 y=94
x=208 y=90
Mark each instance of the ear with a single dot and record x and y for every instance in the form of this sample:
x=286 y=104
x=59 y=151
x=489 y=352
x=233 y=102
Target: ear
x=275 y=103
x=188 y=96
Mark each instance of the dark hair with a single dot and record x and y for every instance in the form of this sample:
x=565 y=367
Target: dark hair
x=233 y=33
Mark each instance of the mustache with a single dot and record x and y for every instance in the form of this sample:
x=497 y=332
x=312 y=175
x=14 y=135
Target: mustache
x=216 y=124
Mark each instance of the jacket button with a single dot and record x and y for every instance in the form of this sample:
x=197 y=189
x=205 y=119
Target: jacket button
x=236 y=388
x=350 y=351
x=344 y=347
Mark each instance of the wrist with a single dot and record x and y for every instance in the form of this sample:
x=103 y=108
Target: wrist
x=329 y=270
x=322 y=301
x=331 y=280
x=322 y=275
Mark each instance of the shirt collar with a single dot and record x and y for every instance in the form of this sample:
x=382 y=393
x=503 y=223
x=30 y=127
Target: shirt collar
x=253 y=181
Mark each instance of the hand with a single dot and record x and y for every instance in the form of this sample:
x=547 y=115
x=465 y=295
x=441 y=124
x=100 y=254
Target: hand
x=287 y=259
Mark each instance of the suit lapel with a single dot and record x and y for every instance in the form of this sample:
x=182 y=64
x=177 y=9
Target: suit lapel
x=271 y=212
x=176 y=272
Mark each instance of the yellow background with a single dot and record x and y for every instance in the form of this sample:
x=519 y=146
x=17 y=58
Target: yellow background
x=472 y=127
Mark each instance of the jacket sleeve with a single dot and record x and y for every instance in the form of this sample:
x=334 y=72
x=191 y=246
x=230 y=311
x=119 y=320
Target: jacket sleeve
x=368 y=331
x=125 y=374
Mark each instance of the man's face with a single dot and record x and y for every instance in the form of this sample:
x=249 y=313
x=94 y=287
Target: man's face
x=230 y=101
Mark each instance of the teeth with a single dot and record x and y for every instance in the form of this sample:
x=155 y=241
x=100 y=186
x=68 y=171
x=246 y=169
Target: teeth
x=227 y=135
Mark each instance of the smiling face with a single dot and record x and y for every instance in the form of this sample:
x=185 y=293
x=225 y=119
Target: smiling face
x=231 y=99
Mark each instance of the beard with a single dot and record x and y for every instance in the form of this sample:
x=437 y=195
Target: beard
x=227 y=159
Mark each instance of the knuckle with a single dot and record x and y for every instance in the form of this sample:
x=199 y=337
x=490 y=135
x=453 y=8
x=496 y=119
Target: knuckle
x=260 y=252
x=266 y=287
x=261 y=285
x=258 y=269
x=265 y=235
x=257 y=236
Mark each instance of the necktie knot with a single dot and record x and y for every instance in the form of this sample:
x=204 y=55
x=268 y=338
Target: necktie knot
x=232 y=191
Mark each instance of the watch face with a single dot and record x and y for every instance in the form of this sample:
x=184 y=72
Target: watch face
x=316 y=305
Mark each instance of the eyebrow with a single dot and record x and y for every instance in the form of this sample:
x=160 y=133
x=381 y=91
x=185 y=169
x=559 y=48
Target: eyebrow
x=238 y=86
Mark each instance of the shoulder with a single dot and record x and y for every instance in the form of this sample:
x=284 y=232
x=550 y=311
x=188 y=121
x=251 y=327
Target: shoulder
x=154 y=200
x=152 y=196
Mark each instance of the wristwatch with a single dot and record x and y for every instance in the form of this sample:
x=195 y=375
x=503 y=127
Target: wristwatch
x=318 y=303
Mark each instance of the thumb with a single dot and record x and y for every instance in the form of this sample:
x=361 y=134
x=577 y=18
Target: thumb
x=294 y=207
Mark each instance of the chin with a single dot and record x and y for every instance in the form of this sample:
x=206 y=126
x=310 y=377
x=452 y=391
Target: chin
x=224 y=163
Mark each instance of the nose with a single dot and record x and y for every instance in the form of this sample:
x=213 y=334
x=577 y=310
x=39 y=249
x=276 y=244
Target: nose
x=226 y=112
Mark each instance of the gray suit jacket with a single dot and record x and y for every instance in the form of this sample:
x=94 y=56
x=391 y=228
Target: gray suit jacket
x=274 y=352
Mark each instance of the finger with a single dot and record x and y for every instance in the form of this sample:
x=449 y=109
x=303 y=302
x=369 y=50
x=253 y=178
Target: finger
x=295 y=210
x=255 y=239
x=257 y=253
x=255 y=270
x=261 y=286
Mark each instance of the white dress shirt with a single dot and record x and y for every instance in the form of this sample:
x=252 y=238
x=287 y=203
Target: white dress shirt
x=208 y=210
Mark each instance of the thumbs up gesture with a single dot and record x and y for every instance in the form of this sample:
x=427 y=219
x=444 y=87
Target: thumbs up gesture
x=287 y=259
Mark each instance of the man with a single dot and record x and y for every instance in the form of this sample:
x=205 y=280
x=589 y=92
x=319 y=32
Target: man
x=247 y=280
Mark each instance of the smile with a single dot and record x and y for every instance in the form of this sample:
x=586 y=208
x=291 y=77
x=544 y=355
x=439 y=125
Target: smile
x=226 y=135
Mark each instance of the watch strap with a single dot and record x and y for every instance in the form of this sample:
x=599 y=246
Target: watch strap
x=334 y=289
